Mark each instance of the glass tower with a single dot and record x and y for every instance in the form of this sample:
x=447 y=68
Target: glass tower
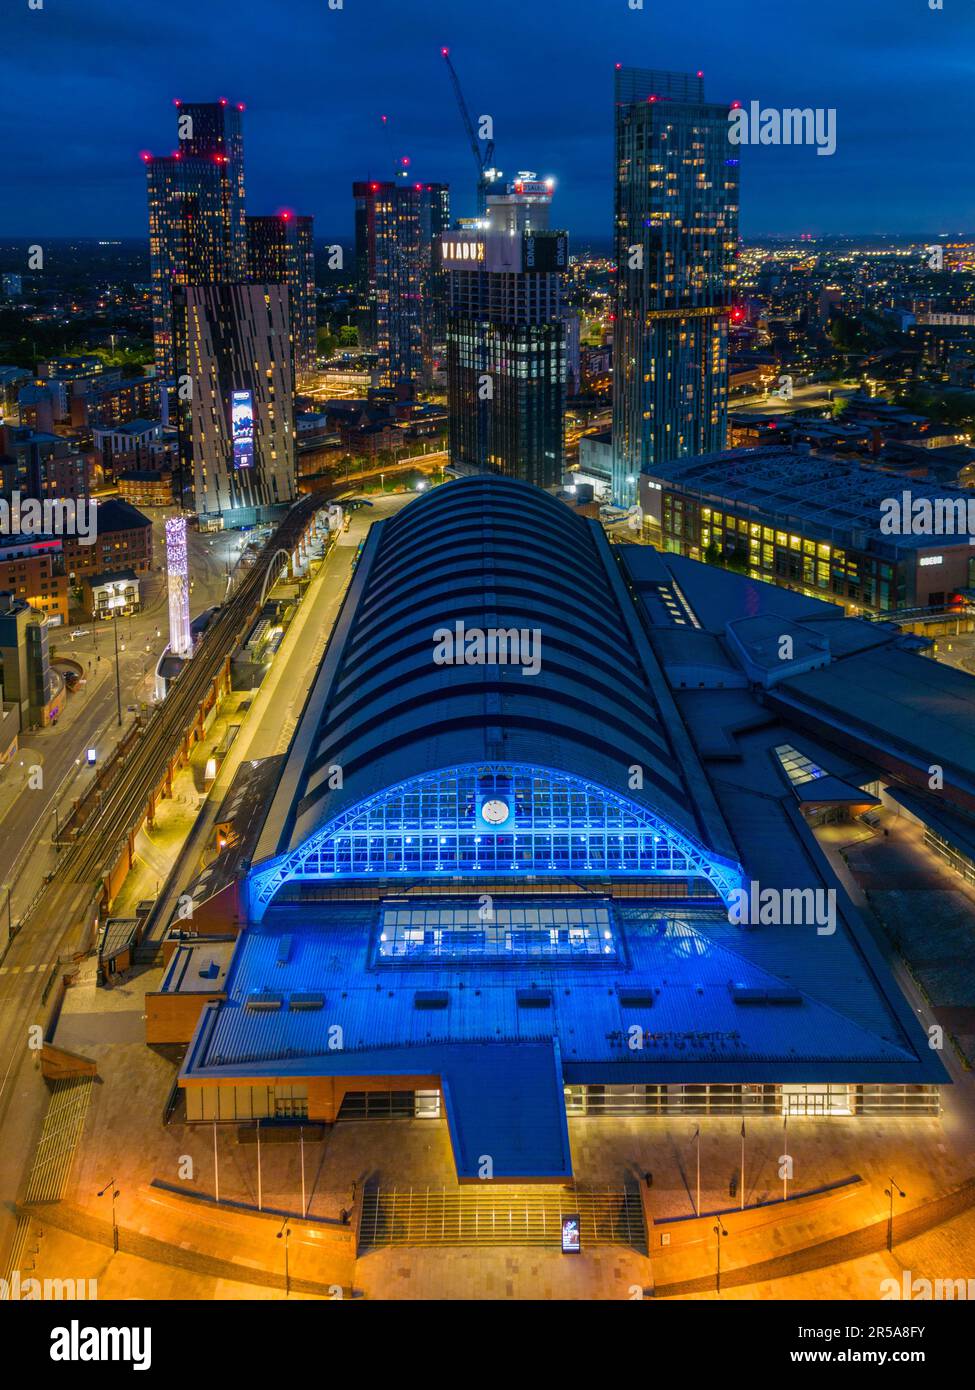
x=506 y=338
x=197 y=230
x=397 y=227
x=280 y=251
x=676 y=240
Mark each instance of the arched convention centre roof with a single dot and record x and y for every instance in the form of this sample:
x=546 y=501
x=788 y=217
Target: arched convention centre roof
x=579 y=695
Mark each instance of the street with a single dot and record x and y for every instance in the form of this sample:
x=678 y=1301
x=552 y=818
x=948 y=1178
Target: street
x=90 y=714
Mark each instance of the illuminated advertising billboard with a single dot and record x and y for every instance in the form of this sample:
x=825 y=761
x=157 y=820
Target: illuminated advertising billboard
x=242 y=424
x=457 y=250
x=571 y=1242
x=546 y=251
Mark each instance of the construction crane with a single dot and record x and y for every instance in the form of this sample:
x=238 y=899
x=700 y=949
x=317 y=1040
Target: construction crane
x=485 y=173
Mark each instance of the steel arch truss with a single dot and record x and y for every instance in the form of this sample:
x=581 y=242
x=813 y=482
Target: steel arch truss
x=560 y=824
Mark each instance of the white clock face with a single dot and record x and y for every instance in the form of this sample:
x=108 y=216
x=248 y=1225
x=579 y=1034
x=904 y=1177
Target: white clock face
x=495 y=811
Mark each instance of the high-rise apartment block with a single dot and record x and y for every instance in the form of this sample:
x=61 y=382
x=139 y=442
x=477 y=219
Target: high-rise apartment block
x=397 y=231
x=197 y=230
x=281 y=251
x=676 y=241
x=236 y=431
x=506 y=337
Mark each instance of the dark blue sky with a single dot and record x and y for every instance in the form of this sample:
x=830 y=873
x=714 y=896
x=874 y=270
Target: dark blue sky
x=86 y=84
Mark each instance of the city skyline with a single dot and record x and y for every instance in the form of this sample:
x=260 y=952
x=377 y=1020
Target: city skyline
x=313 y=122
x=487 y=667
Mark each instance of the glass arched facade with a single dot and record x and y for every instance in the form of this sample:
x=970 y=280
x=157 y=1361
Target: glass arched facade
x=552 y=823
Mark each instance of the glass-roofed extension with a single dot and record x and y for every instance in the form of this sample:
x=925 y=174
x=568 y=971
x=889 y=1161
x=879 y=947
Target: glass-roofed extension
x=496 y=820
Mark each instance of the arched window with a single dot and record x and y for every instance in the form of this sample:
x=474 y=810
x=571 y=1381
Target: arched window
x=501 y=820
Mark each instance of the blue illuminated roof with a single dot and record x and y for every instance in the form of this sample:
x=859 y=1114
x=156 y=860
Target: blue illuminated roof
x=689 y=958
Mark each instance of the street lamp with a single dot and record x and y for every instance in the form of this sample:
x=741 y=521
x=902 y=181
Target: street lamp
x=719 y=1231
x=118 y=674
x=889 y=1193
x=115 y=1194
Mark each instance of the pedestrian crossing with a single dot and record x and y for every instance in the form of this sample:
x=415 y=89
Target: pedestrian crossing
x=23 y=969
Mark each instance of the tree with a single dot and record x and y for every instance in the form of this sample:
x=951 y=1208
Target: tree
x=349 y=335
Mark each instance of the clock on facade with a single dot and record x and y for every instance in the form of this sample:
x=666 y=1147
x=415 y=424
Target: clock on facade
x=495 y=811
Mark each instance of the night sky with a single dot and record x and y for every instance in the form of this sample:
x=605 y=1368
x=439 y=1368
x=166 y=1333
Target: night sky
x=86 y=84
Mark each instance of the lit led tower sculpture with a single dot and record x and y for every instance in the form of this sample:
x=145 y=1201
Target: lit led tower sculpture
x=178 y=578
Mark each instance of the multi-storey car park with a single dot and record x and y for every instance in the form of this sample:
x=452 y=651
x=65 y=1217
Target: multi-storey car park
x=509 y=896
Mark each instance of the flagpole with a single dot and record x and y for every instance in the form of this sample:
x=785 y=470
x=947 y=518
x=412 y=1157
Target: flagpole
x=743 y=1165
x=785 y=1170
x=697 y=1136
x=699 y=1170
x=216 y=1166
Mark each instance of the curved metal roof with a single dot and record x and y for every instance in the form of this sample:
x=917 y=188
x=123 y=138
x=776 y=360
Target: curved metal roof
x=490 y=553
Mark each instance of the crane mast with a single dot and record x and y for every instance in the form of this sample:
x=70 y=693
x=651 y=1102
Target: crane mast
x=483 y=160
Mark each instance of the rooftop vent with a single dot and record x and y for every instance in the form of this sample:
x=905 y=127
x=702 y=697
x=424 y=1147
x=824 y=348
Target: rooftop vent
x=264 y=1003
x=431 y=999
x=534 y=998
x=636 y=998
x=306 y=1003
x=284 y=950
x=745 y=994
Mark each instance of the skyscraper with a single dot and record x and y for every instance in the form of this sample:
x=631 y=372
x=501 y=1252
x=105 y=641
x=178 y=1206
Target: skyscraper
x=280 y=251
x=397 y=227
x=506 y=337
x=676 y=237
x=236 y=430
x=197 y=233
